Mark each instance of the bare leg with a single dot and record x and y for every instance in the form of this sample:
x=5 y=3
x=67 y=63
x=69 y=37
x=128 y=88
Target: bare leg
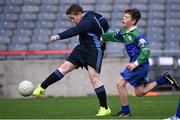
x=94 y=77
x=123 y=93
x=142 y=90
x=67 y=67
x=98 y=86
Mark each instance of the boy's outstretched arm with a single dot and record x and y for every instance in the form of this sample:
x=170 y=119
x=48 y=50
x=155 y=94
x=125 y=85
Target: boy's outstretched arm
x=112 y=36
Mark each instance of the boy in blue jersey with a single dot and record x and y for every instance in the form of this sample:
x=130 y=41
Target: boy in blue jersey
x=88 y=53
x=136 y=71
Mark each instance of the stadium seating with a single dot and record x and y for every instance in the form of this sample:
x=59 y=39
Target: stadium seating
x=26 y=22
x=3 y=48
x=115 y=50
x=37 y=46
x=17 y=47
x=6 y=32
x=57 y=46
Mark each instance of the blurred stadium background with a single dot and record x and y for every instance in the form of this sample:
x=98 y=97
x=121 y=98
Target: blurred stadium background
x=26 y=25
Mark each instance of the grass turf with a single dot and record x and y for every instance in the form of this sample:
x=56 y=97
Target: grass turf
x=158 y=107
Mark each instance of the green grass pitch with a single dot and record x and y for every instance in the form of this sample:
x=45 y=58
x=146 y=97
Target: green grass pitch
x=158 y=107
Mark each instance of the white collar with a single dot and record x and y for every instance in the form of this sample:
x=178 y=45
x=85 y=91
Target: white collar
x=131 y=29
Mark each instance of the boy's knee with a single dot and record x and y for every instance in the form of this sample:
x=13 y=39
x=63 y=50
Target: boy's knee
x=139 y=93
x=119 y=83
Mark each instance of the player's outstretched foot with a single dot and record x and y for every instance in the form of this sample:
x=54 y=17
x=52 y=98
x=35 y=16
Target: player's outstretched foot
x=122 y=114
x=173 y=118
x=171 y=80
x=39 y=91
x=103 y=111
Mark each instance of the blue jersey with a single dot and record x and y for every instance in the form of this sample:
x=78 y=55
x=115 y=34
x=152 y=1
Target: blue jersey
x=138 y=50
x=136 y=45
x=89 y=29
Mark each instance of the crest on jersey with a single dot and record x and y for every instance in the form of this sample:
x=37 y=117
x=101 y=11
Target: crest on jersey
x=129 y=38
x=142 y=42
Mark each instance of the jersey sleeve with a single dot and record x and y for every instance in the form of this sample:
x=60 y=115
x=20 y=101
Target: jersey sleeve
x=112 y=36
x=144 y=50
x=82 y=27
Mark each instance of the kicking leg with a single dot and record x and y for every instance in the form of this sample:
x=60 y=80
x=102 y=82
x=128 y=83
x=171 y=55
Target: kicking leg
x=58 y=74
x=54 y=77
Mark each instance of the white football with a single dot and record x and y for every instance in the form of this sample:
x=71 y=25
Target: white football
x=26 y=88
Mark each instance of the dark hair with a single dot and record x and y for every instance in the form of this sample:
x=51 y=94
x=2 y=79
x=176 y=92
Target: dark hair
x=135 y=14
x=74 y=9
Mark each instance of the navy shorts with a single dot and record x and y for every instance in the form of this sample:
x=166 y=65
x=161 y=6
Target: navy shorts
x=138 y=76
x=83 y=56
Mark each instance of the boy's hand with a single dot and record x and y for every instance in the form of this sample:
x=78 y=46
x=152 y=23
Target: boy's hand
x=53 y=38
x=101 y=39
x=103 y=45
x=131 y=66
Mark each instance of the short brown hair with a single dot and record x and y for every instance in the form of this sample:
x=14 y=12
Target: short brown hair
x=135 y=14
x=74 y=9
